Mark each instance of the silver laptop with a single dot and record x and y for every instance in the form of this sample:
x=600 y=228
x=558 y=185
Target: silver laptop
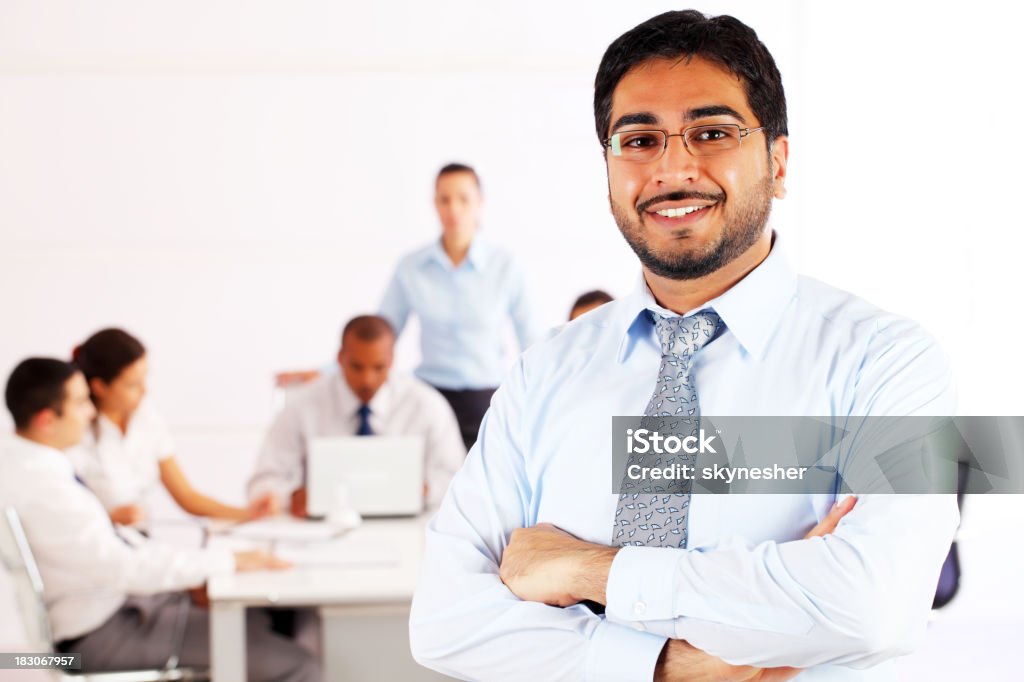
x=382 y=475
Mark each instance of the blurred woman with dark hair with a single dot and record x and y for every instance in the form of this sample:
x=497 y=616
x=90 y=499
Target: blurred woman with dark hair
x=128 y=451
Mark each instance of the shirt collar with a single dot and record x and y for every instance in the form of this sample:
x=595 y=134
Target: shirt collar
x=751 y=309
x=477 y=256
x=41 y=455
x=379 y=404
x=105 y=428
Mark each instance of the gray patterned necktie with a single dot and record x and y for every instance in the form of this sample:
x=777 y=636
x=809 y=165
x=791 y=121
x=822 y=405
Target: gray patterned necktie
x=647 y=515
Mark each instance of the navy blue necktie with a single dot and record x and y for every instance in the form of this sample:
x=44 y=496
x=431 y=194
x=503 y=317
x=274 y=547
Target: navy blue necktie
x=364 y=421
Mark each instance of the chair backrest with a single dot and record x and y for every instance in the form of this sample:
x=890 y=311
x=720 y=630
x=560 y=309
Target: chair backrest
x=28 y=583
x=16 y=556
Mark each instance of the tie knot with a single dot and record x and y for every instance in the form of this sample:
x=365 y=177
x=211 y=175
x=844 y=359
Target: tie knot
x=684 y=336
x=364 y=411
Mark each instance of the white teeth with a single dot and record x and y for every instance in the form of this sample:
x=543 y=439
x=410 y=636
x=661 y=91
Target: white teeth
x=677 y=212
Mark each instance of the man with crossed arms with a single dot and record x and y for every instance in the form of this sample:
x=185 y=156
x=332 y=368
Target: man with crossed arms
x=692 y=116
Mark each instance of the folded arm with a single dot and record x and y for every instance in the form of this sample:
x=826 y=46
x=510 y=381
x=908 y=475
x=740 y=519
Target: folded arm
x=465 y=622
x=856 y=597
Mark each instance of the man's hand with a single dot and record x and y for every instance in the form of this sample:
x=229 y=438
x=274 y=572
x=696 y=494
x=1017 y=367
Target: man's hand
x=258 y=561
x=681 y=661
x=831 y=520
x=264 y=505
x=546 y=564
x=127 y=515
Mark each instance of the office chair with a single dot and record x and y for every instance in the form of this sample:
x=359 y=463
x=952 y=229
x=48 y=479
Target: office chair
x=31 y=604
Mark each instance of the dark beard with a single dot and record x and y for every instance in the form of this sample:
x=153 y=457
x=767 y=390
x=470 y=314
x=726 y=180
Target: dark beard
x=743 y=227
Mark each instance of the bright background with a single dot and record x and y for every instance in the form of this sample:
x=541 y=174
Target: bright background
x=231 y=181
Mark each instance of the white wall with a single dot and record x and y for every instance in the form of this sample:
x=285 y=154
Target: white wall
x=232 y=184
x=233 y=180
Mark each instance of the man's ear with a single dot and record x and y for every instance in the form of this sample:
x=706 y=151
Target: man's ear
x=43 y=420
x=779 y=157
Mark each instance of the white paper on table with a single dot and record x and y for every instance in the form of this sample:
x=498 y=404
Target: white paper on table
x=338 y=556
x=285 y=529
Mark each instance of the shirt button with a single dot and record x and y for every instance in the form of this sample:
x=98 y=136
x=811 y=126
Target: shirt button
x=639 y=608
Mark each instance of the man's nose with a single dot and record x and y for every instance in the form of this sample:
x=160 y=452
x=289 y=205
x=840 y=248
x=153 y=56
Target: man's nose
x=677 y=165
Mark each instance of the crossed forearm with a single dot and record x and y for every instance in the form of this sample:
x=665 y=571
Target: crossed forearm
x=548 y=565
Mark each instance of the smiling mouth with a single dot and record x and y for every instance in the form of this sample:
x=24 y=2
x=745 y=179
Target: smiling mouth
x=681 y=211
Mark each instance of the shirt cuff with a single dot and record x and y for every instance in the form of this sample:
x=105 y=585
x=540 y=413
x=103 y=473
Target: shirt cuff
x=641 y=584
x=620 y=654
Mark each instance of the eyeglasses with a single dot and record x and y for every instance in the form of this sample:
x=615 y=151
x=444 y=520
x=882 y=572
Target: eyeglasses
x=644 y=146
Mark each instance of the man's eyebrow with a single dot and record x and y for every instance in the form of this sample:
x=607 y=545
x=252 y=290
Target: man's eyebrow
x=713 y=110
x=642 y=117
x=647 y=118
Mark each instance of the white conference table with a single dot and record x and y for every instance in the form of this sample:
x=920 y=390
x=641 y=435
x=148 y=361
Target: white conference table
x=361 y=583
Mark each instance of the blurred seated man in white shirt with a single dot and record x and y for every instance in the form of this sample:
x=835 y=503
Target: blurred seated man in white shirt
x=365 y=398
x=119 y=601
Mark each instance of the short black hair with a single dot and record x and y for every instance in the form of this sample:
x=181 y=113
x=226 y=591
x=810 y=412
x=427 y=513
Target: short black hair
x=595 y=297
x=459 y=168
x=106 y=354
x=684 y=34
x=37 y=384
x=367 y=328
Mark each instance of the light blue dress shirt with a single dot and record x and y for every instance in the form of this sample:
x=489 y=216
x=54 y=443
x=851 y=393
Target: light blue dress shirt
x=748 y=588
x=462 y=311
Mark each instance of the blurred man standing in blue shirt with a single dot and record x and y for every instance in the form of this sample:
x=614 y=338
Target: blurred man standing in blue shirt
x=464 y=290
x=692 y=116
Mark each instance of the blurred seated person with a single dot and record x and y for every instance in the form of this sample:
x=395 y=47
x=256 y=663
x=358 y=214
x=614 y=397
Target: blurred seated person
x=365 y=398
x=127 y=451
x=589 y=301
x=118 y=600
x=464 y=290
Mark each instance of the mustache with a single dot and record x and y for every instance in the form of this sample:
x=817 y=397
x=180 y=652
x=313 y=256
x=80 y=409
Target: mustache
x=679 y=196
